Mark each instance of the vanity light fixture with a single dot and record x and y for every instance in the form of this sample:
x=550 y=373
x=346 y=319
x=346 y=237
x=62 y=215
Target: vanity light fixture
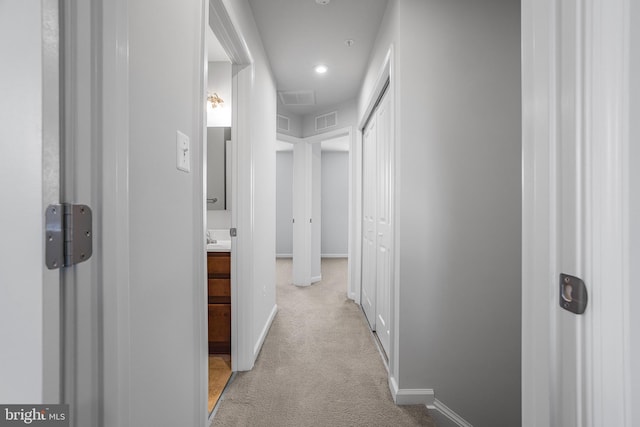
x=321 y=69
x=215 y=100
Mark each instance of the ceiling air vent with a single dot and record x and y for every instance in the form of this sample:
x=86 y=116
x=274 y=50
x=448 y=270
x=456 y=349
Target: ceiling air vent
x=283 y=123
x=300 y=97
x=327 y=120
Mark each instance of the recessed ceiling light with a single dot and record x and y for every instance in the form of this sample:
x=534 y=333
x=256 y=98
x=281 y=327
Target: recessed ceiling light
x=321 y=69
x=349 y=42
x=323 y=2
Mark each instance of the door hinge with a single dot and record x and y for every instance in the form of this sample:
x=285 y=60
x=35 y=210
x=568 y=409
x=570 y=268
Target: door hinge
x=233 y=232
x=68 y=235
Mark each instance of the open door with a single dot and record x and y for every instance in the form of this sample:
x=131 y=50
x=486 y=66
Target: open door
x=30 y=301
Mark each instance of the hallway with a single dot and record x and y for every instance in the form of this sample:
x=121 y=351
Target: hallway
x=319 y=365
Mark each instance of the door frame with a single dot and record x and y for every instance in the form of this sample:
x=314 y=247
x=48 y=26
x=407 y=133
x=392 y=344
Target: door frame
x=351 y=245
x=386 y=72
x=603 y=35
x=232 y=41
x=112 y=50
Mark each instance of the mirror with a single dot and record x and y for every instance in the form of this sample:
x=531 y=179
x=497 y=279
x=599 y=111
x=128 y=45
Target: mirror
x=217 y=170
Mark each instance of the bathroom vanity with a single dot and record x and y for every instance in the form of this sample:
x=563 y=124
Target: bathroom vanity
x=219 y=298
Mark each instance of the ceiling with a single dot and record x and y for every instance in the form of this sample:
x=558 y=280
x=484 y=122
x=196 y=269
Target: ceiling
x=300 y=34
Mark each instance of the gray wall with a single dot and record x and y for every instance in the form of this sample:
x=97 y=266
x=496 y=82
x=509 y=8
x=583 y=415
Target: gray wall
x=634 y=214
x=347 y=115
x=295 y=123
x=458 y=133
x=335 y=203
x=164 y=287
x=284 y=203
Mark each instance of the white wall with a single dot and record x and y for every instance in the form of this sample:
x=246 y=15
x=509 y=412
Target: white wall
x=335 y=203
x=21 y=255
x=284 y=203
x=218 y=219
x=458 y=134
x=316 y=212
x=164 y=287
x=262 y=116
x=347 y=116
x=219 y=81
x=634 y=214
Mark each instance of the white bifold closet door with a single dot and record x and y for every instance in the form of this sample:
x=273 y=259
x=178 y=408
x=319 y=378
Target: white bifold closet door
x=377 y=233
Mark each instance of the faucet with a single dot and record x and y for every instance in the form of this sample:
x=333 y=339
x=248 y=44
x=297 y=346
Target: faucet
x=210 y=239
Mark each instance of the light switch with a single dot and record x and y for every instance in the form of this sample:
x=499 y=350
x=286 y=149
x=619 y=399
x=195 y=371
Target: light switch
x=183 y=152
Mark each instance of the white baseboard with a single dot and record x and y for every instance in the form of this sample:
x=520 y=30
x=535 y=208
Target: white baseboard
x=315 y=279
x=265 y=331
x=284 y=255
x=443 y=416
x=415 y=396
x=334 y=256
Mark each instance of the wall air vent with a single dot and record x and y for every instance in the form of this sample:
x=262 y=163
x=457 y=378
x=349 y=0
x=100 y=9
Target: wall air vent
x=326 y=121
x=283 y=123
x=299 y=97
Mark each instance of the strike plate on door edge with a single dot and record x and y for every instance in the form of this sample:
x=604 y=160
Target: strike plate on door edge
x=573 y=294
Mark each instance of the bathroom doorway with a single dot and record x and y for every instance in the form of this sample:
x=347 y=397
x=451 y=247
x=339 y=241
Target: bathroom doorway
x=219 y=149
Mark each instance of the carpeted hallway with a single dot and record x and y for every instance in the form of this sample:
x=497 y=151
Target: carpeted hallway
x=319 y=365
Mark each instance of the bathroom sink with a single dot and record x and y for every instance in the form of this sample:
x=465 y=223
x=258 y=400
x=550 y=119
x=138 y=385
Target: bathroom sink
x=219 y=246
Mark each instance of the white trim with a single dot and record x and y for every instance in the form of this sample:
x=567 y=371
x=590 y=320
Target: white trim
x=607 y=361
x=227 y=34
x=288 y=138
x=410 y=396
x=443 y=416
x=115 y=212
x=232 y=41
x=334 y=255
x=601 y=29
x=315 y=279
x=265 y=331
x=284 y=255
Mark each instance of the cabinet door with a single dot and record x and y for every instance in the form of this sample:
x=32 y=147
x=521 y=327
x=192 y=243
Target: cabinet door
x=219 y=264
x=219 y=328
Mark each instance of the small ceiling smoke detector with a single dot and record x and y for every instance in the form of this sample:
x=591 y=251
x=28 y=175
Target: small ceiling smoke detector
x=321 y=69
x=323 y=2
x=349 y=42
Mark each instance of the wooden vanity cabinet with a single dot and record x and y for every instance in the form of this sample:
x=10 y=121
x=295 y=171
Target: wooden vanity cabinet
x=219 y=298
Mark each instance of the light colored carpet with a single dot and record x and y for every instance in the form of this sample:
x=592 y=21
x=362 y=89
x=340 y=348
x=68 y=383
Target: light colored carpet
x=319 y=365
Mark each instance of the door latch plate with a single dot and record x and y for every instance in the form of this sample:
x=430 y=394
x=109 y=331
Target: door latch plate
x=573 y=294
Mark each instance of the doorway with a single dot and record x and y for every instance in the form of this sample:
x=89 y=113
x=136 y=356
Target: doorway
x=313 y=200
x=219 y=149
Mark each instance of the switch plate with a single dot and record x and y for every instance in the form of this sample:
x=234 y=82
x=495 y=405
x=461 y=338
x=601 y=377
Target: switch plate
x=183 y=152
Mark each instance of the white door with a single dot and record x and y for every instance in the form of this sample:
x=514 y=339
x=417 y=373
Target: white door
x=383 y=189
x=575 y=367
x=369 y=222
x=30 y=328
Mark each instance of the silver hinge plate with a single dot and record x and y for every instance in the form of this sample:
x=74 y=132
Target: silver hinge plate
x=233 y=232
x=68 y=235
